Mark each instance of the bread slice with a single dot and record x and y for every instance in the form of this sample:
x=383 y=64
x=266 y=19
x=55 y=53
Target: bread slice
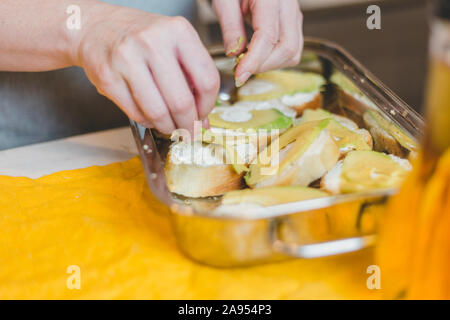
x=365 y=170
x=249 y=122
x=301 y=162
x=387 y=136
x=354 y=102
x=315 y=103
x=331 y=182
x=259 y=139
x=349 y=94
x=195 y=170
x=293 y=89
x=346 y=132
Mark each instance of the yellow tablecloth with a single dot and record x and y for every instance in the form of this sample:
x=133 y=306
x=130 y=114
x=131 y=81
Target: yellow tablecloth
x=104 y=221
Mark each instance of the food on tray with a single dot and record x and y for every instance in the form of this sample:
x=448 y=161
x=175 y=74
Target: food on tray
x=255 y=121
x=349 y=94
x=232 y=142
x=277 y=144
x=263 y=105
x=296 y=90
x=345 y=132
x=197 y=170
x=298 y=157
x=388 y=136
x=264 y=197
x=244 y=119
x=321 y=114
x=365 y=170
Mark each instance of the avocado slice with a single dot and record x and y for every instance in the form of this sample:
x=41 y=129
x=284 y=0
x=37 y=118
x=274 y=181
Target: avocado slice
x=231 y=118
x=280 y=83
x=271 y=196
x=346 y=139
x=368 y=170
x=374 y=119
x=303 y=142
x=345 y=84
x=348 y=87
x=314 y=115
x=320 y=114
x=291 y=146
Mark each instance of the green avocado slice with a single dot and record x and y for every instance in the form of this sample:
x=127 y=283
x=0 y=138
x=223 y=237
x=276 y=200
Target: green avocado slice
x=271 y=196
x=395 y=131
x=368 y=170
x=346 y=139
x=285 y=82
x=266 y=119
x=302 y=136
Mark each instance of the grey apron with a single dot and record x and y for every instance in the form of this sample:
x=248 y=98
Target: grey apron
x=42 y=106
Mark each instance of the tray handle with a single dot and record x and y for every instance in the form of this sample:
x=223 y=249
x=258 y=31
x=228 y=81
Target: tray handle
x=320 y=249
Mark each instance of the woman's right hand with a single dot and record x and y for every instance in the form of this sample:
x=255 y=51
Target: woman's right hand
x=155 y=68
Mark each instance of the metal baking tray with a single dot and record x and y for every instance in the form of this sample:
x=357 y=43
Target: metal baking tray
x=307 y=229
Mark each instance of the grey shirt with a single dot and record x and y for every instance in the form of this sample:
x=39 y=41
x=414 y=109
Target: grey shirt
x=42 y=106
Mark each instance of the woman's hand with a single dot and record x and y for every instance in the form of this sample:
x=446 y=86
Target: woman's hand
x=278 y=38
x=155 y=68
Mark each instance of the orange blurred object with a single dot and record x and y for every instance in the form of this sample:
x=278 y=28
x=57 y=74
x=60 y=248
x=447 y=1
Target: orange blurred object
x=414 y=245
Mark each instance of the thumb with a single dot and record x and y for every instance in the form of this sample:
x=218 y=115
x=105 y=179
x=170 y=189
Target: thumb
x=232 y=24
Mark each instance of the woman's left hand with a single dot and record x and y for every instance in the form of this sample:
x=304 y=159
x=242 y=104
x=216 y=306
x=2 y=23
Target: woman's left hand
x=277 y=41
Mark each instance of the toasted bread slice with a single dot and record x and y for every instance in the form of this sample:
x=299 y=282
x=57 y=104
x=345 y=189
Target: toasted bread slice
x=197 y=171
x=365 y=170
x=346 y=132
x=301 y=162
x=315 y=103
x=331 y=182
x=387 y=136
x=251 y=122
x=293 y=89
x=259 y=139
x=349 y=94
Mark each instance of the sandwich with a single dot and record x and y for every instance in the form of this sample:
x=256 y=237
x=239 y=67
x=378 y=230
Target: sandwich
x=241 y=124
x=365 y=170
x=389 y=137
x=301 y=155
x=349 y=94
x=197 y=170
x=292 y=89
x=216 y=162
x=346 y=133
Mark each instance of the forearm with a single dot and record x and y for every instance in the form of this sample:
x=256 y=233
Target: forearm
x=34 y=35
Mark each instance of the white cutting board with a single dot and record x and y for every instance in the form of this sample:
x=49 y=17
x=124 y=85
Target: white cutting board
x=100 y=148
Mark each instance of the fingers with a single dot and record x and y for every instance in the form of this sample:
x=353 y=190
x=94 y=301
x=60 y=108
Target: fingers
x=148 y=98
x=119 y=93
x=232 y=25
x=153 y=67
x=288 y=51
x=202 y=74
x=266 y=26
x=174 y=88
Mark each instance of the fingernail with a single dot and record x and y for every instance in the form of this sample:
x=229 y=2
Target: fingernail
x=235 y=46
x=205 y=123
x=242 y=79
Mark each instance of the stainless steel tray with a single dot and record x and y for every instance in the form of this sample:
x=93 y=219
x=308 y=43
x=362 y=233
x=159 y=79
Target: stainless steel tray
x=306 y=229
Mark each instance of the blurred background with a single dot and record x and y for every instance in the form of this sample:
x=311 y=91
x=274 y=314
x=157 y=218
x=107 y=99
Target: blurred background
x=396 y=54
